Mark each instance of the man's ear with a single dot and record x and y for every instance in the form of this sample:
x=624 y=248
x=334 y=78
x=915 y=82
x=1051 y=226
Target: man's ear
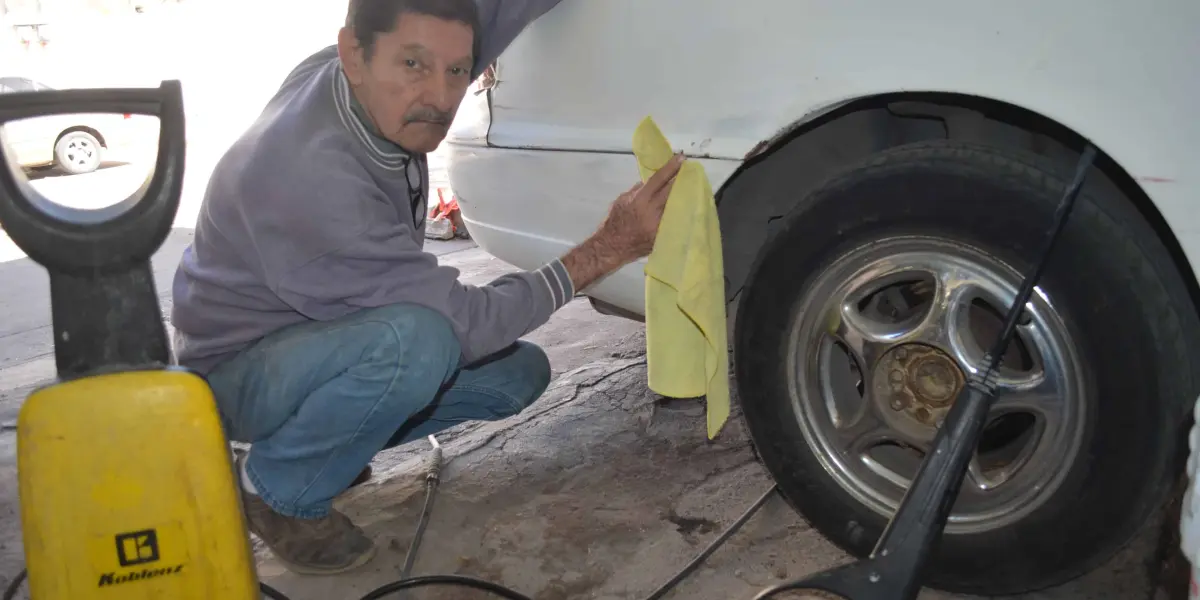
x=353 y=60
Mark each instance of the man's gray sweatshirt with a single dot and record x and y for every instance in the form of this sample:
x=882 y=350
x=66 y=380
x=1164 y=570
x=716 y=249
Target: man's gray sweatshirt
x=310 y=216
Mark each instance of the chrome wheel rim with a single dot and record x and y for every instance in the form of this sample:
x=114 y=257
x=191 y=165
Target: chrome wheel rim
x=881 y=342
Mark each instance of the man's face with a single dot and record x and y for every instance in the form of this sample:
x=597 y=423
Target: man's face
x=414 y=80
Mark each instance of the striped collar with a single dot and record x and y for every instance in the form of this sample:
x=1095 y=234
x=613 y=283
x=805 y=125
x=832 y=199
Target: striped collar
x=383 y=152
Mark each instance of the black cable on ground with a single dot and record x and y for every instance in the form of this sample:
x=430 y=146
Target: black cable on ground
x=271 y=592
x=712 y=547
x=504 y=592
x=10 y=592
x=410 y=558
x=433 y=474
x=445 y=580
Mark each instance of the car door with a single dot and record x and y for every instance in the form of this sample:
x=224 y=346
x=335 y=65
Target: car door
x=585 y=74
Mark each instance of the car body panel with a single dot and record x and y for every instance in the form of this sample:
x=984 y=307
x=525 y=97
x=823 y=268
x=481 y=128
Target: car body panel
x=531 y=237
x=32 y=140
x=720 y=80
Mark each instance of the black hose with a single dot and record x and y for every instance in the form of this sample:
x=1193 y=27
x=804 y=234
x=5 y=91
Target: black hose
x=504 y=592
x=10 y=592
x=1000 y=348
x=451 y=580
x=271 y=592
x=712 y=547
x=410 y=558
x=433 y=474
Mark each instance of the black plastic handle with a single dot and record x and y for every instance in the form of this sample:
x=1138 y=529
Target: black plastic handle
x=71 y=240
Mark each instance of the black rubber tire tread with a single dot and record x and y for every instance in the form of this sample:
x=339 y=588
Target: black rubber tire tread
x=1126 y=306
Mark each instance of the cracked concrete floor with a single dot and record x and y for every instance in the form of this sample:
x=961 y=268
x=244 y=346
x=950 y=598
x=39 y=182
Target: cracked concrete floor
x=598 y=491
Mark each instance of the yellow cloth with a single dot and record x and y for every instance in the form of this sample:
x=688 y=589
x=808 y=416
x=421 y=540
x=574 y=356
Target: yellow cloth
x=686 y=349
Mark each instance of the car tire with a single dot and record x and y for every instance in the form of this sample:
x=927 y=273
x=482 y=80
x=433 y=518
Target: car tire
x=1115 y=295
x=78 y=152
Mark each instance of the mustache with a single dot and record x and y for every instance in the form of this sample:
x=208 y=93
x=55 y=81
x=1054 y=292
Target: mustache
x=429 y=115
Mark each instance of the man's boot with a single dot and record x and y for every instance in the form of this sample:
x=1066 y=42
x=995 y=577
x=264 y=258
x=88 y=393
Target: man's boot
x=325 y=546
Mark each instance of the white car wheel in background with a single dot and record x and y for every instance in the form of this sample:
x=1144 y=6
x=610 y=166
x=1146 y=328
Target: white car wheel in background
x=78 y=152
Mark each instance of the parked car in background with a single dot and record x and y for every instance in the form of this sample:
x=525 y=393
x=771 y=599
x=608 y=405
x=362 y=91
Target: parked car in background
x=75 y=143
x=886 y=172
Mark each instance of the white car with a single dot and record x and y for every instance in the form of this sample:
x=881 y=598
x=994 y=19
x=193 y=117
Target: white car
x=893 y=167
x=75 y=143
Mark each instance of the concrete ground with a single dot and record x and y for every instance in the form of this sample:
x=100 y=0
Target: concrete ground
x=601 y=490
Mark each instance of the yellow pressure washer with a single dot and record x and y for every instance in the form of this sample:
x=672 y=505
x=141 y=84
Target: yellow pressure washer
x=127 y=487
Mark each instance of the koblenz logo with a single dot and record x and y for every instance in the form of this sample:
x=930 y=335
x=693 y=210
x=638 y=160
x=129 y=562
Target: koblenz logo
x=113 y=578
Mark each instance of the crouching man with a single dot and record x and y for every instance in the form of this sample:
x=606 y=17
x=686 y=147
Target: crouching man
x=325 y=330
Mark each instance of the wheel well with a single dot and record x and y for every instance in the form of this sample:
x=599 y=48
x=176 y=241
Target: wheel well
x=768 y=184
x=85 y=129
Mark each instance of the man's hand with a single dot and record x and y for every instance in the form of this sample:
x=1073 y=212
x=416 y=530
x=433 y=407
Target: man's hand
x=632 y=222
x=628 y=232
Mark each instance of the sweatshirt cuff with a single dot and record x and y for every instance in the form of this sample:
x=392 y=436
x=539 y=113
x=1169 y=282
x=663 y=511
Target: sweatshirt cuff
x=558 y=283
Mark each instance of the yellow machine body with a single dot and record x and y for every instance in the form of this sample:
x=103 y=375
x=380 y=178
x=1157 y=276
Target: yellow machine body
x=128 y=491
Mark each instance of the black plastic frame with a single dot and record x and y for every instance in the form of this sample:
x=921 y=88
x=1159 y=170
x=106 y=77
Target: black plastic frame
x=105 y=308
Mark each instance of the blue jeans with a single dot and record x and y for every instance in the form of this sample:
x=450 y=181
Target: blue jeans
x=317 y=400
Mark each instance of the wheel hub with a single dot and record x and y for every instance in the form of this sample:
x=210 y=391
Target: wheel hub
x=919 y=381
x=883 y=342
